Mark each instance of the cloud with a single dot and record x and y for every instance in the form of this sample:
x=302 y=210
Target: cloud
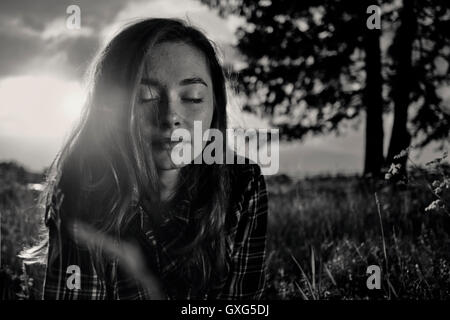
x=38 y=107
x=34 y=34
x=36 y=114
x=38 y=14
x=218 y=29
x=16 y=48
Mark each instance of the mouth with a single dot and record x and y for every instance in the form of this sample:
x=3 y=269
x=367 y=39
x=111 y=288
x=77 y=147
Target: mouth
x=167 y=143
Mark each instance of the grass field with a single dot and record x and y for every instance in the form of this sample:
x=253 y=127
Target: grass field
x=323 y=234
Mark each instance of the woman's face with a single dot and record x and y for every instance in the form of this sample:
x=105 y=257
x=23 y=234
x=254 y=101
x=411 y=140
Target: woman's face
x=177 y=83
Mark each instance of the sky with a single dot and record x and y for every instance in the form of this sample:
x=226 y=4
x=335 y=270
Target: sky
x=42 y=67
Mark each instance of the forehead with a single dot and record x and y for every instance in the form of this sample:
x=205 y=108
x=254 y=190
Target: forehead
x=174 y=61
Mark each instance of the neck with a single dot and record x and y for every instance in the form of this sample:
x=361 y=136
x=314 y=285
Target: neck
x=168 y=180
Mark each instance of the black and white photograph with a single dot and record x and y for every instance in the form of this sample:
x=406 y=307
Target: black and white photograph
x=237 y=150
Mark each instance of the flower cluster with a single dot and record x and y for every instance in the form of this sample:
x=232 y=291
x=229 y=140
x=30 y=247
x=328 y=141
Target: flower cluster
x=393 y=170
x=435 y=205
x=439 y=187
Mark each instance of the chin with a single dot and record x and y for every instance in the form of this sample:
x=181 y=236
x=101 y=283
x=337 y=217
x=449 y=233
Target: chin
x=163 y=161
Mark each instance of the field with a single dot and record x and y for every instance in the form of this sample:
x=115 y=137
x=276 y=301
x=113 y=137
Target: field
x=323 y=233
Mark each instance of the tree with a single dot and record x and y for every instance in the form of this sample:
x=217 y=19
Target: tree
x=373 y=101
x=306 y=63
x=420 y=56
x=312 y=65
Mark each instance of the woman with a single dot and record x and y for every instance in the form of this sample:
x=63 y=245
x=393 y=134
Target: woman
x=127 y=222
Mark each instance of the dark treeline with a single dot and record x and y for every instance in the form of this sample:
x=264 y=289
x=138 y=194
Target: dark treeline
x=313 y=65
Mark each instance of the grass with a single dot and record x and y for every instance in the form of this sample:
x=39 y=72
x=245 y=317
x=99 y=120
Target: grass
x=20 y=221
x=323 y=233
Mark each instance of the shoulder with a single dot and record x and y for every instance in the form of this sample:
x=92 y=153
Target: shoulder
x=247 y=191
x=245 y=175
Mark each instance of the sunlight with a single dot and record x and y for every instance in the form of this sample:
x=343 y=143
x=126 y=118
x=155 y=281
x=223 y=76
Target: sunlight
x=39 y=106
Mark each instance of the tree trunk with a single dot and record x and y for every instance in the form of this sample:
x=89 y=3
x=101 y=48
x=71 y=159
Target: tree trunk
x=374 y=136
x=401 y=86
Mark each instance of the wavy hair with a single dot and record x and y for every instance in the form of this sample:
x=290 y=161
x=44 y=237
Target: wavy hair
x=104 y=169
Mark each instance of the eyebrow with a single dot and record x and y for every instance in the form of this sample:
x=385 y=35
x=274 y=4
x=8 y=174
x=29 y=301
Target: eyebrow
x=194 y=80
x=184 y=82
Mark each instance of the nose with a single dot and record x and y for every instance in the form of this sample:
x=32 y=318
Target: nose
x=170 y=114
x=175 y=121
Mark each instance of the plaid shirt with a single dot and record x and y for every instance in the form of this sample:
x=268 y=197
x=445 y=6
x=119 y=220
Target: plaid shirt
x=246 y=250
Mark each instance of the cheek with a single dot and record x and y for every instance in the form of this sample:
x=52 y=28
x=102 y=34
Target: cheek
x=202 y=113
x=206 y=117
x=146 y=122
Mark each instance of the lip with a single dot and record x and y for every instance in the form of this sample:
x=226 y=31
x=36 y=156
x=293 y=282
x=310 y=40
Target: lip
x=168 y=139
x=167 y=143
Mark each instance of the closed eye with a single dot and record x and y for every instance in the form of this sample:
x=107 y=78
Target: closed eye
x=192 y=100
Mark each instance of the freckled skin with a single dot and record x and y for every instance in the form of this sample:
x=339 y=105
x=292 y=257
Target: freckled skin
x=167 y=65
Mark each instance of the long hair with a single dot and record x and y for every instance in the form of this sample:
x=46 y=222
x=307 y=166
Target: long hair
x=104 y=169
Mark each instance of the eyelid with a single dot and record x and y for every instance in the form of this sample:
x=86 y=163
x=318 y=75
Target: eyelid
x=192 y=94
x=193 y=100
